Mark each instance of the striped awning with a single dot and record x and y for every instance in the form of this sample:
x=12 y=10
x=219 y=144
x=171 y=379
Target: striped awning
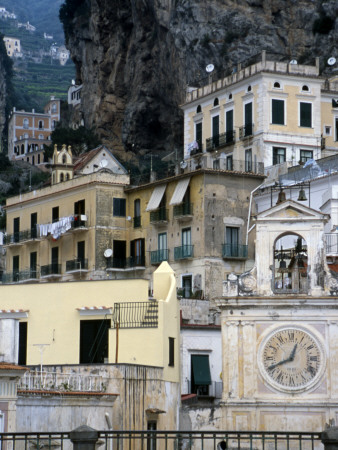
x=156 y=197
x=180 y=191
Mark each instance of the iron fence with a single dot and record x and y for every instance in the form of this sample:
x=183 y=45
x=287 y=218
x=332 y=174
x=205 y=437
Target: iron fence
x=135 y=315
x=169 y=440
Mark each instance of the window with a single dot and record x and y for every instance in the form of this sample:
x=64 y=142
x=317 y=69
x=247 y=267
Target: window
x=119 y=254
x=198 y=134
x=33 y=264
x=38 y=158
x=22 y=359
x=216 y=102
x=230 y=96
x=200 y=374
x=16 y=266
x=41 y=124
x=119 y=207
x=186 y=242
x=276 y=85
x=248 y=160
x=171 y=352
x=81 y=254
x=137 y=252
x=249 y=89
x=61 y=177
x=55 y=260
x=187 y=286
x=229 y=162
x=79 y=210
x=162 y=247
x=229 y=126
x=137 y=213
x=25 y=123
x=278 y=155
x=16 y=229
x=34 y=221
x=215 y=131
x=248 y=119
x=232 y=241
x=305 y=155
x=198 y=109
x=64 y=159
x=327 y=131
x=55 y=214
x=94 y=341
x=277 y=107
x=305 y=88
x=305 y=111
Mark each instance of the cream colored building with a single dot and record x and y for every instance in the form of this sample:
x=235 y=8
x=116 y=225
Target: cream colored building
x=278 y=113
x=13 y=46
x=29 y=131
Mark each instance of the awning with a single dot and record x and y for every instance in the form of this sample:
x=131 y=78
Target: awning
x=201 y=369
x=180 y=191
x=156 y=197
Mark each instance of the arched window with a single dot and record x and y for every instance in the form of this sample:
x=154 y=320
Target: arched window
x=54 y=108
x=216 y=102
x=276 y=85
x=198 y=109
x=25 y=123
x=61 y=177
x=230 y=96
x=64 y=159
x=290 y=264
x=305 y=88
x=249 y=88
x=41 y=124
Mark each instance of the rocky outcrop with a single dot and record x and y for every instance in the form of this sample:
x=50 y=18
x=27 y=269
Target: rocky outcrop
x=5 y=85
x=136 y=57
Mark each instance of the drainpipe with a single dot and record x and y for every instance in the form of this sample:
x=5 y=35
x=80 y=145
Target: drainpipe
x=249 y=214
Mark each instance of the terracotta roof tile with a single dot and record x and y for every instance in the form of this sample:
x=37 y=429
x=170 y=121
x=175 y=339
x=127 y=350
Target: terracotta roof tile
x=10 y=366
x=85 y=158
x=12 y=311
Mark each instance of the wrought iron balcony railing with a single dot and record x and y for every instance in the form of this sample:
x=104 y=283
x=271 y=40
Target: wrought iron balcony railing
x=135 y=315
x=20 y=236
x=157 y=256
x=137 y=221
x=77 y=264
x=159 y=215
x=20 y=276
x=80 y=221
x=246 y=130
x=126 y=263
x=183 y=252
x=220 y=140
x=184 y=209
x=50 y=270
x=234 y=251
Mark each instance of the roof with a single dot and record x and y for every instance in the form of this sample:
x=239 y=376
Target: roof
x=84 y=159
x=10 y=366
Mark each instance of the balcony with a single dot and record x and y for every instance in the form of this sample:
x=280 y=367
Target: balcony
x=137 y=222
x=159 y=216
x=220 y=140
x=51 y=271
x=19 y=237
x=183 y=252
x=77 y=265
x=184 y=211
x=331 y=244
x=234 y=251
x=133 y=262
x=158 y=256
x=80 y=223
x=24 y=276
x=214 y=389
x=246 y=131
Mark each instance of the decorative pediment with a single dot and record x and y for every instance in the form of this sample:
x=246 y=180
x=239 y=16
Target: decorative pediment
x=291 y=210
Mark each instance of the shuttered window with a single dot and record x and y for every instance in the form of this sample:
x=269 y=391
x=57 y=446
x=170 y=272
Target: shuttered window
x=305 y=115
x=278 y=112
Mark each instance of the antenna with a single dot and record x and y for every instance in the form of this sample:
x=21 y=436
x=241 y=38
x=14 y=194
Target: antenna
x=331 y=61
x=293 y=62
x=210 y=68
x=108 y=253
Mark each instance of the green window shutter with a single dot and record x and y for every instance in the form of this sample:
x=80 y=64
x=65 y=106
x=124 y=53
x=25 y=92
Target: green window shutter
x=306 y=115
x=201 y=369
x=278 y=112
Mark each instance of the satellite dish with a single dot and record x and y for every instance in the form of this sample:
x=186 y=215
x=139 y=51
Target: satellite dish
x=108 y=253
x=293 y=62
x=183 y=164
x=210 y=68
x=103 y=163
x=331 y=61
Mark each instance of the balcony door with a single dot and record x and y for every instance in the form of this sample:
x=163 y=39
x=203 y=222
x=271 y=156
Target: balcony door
x=229 y=125
x=16 y=229
x=119 y=254
x=248 y=119
x=34 y=221
x=81 y=254
x=215 y=131
x=186 y=242
x=55 y=259
x=33 y=264
x=232 y=239
x=16 y=265
x=162 y=246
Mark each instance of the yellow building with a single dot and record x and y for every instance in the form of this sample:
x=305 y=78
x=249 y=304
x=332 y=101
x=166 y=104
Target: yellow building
x=270 y=112
x=13 y=46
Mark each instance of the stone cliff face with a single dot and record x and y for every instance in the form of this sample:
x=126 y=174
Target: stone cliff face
x=135 y=58
x=5 y=86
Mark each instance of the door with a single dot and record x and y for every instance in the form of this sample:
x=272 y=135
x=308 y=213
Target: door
x=81 y=255
x=187 y=286
x=79 y=210
x=229 y=126
x=16 y=265
x=248 y=161
x=186 y=242
x=55 y=260
x=248 y=119
x=34 y=221
x=198 y=131
x=119 y=254
x=231 y=238
x=33 y=264
x=22 y=344
x=16 y=229
x=215 y=131
x=162 y=247
x=137 y=252
x=94 y=341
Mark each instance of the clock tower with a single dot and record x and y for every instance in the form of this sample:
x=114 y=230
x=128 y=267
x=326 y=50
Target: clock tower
x=280 y=328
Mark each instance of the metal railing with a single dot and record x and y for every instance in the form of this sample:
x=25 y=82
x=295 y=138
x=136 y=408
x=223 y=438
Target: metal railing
x=331 y=243
x=234 y=251
x=137 y=221
x=220 y=140
x=185 y=251
x=246 y=130
x=126 y=263
x=54 y=381
x=157 y=256
x=22 y=275
x=20 y=236
x=51 y=269
x=159 y=215
x=169 y=440
x=184 y=209
x=214 y=389
x=77 y=264
x=78 y=222
x=135 y=315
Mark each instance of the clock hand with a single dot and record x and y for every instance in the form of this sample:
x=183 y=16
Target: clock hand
x=292 y=355
x=279 y=363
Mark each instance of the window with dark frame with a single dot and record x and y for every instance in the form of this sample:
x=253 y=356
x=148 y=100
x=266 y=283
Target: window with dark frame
x=200 y=375
x=278 y=155
x=305 y=155
x=171 y=352
x=198 y=134
x=94 y=341
x=277 y=113
x=55 y=214
x=22 y=358
x=16 y=266
x=305 y=115
x=119 y=207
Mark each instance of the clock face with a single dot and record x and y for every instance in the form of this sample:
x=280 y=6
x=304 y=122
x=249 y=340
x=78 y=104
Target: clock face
x=291 y=359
